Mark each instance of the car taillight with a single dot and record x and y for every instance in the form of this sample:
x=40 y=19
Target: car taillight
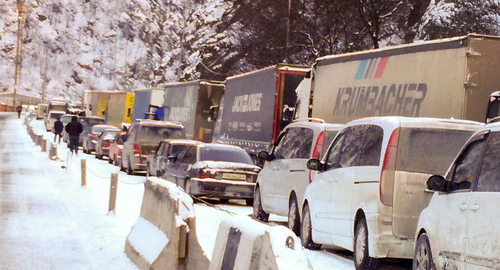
x=204 y=174
x=92 y=137
x=136 y=150
x=318 y=148
x=106 y=144
x=388 y=173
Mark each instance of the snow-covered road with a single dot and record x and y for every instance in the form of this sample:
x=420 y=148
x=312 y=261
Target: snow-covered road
x=73 y=221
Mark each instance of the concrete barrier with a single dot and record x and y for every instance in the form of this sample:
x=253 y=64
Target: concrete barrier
x=164 y=236
x=245 y=244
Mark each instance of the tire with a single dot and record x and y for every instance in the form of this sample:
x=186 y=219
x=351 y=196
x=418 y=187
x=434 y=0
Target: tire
x=258 y=212
x=362 y=261
x=249 y=201
x=110 y=161
x=306 y=230
x=121 y=166
x=130 y=171
x=294 y=217
x=187 y=187
x=422 y=258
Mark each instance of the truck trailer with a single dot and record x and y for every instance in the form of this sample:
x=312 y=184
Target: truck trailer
x=447 y=78
x=147 y=101
x=257 y=106
x=115 y=107
x=193 y=104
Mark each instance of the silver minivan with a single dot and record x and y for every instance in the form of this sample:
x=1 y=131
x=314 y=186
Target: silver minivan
x=284 y=178
x=370 y=186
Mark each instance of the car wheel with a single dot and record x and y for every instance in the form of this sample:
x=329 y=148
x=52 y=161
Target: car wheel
x=130 y=171
x=249 y=201
x=187 y=187
x=147 y=171
x=258 y=212
x=306 y=230
x=362 y=261
x=294 y=217
x=122 y=168
x=422 y=259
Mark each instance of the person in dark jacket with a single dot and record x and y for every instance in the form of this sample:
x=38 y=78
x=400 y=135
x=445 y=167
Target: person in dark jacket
x=74 y=129
x=19 y=110
x=58 y=129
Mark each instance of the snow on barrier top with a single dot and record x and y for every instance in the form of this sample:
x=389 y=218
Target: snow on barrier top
x=246 y=244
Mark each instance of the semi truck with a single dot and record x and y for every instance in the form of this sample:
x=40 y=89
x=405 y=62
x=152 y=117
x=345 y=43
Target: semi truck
x=89 y=102
x=115 y=107
x=257 y=106
x=147 y=101
x=193 y=104
x=447 y=78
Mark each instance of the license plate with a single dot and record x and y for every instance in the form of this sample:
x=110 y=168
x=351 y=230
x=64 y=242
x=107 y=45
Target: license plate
x=235 y=176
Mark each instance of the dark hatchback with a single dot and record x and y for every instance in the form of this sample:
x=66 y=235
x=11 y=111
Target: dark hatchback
x=214 y=170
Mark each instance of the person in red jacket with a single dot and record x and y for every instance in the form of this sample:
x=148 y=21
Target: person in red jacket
x=74 y=129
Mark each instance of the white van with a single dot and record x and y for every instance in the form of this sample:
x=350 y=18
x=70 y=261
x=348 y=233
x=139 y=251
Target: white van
x=41 y=110
x=370 y=186
x=460 y=229
x=284 y=178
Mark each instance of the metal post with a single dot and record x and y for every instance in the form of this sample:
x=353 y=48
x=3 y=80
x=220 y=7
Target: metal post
x=84 y=172
x=112 y=192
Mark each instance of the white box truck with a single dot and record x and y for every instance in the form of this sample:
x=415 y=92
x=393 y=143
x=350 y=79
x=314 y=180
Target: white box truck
x=444 y=78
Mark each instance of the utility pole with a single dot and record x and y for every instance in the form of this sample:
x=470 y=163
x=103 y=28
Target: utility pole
x=17 y=61
x=288 y=28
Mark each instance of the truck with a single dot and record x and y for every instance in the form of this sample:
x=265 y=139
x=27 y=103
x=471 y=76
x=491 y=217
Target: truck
x=193 y=104
x=41 y=110
x=257 y=106
x=115 y=107
x=147 y=101
x=89 y=102
x=447 y=78
x=58 y=104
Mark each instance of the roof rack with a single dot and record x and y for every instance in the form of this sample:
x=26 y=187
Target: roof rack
x=309 y=120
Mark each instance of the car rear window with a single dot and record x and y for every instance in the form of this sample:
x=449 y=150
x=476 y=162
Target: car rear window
x=56 y=115
x=225 y=154
x=430 y=151
x=110 y=135
x=91 y=122
x=155 y=134
x=100 y=129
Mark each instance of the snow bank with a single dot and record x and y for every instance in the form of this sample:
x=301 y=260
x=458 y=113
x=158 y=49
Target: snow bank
x=147 y=239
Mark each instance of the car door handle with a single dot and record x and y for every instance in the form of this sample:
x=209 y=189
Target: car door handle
x=474 y=207
x=463 y=207
x=332 y=180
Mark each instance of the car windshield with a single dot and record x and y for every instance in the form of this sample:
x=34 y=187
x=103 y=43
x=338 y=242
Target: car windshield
x=110 y=135
x=100 y=129
x=66 y=119
x=431 y=151
x=55 y=115
x=155 y=134
x=91 y=121
x=225 y=154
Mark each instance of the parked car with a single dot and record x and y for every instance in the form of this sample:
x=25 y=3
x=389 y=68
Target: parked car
x=51 y=119
x=370 y=186
x=88 y=122
x=90 y=140
x=460 y=227
x=284 y=178
x=66 y=118
x=214 y=170
x=115 y=149
x=144 y=136
x=159 y=157
x=104 y=141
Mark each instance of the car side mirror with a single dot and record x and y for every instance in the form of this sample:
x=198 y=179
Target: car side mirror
x=314 y=164
x=263 y=155
x=436 y=183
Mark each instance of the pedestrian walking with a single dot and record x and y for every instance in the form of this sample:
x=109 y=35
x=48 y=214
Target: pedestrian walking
x=74 y=129
x=58 y=129
x=19 y=110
